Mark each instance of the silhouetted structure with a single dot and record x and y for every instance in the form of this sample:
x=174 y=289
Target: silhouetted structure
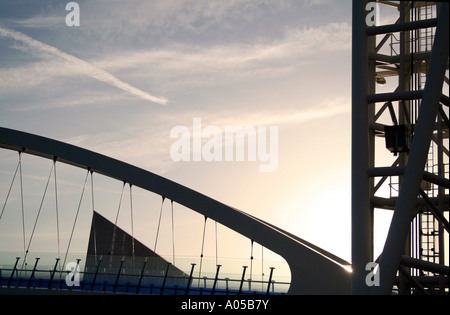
x=112 y=251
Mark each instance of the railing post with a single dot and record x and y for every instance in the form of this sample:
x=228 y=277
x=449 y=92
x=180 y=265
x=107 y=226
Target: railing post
x=226 y=284
x=270 y=280
x=13 y=271
x=118 y=274
x=53 y=273
x=242 y=280
x=140 y=277
x=215 y=280
x=32 y=273
x=165 y=278
x=190 y=279
x=96 y=273
x=76 y=270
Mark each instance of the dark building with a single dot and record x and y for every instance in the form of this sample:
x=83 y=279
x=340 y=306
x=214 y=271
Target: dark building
x=112 y=252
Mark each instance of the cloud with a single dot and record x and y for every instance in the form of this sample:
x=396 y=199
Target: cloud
x=170 y=18
x=40 y=21
x=280 y=117
x=82 y=66
x=206 y=65
x=154 y=141
x=296 y=44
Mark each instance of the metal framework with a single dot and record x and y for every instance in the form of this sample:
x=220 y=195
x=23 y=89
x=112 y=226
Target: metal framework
x=400 y=156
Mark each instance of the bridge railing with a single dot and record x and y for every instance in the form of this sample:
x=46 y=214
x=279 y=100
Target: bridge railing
x=39 y=273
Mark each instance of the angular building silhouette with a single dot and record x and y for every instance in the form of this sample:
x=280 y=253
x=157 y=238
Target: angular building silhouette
x=114 y=256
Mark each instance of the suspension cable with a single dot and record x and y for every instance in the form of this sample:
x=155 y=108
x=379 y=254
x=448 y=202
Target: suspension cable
x=132 y=228
x=56 y=207
x=115 y=222
x=22 y=204
x=201 y=254
x=92 y=190
x=262 y=265
x=159 y=223
x=76 y=217
x=38 y=214
x=93 y=214
x=173 y=235
x=217 y=248
x=9 y=191
x=251 y=263
x=18 y=168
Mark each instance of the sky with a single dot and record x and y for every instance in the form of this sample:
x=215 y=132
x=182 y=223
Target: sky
x=119 y=83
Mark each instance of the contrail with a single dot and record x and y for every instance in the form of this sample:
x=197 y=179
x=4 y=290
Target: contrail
x=84 y=66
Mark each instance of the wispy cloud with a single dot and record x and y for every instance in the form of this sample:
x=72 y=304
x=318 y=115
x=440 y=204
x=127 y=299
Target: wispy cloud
x=82 y=66
x=295 y=45
x=188 y=65
x=154 y=139
x=280 y=117
x=40 y=21
x=170 y=18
